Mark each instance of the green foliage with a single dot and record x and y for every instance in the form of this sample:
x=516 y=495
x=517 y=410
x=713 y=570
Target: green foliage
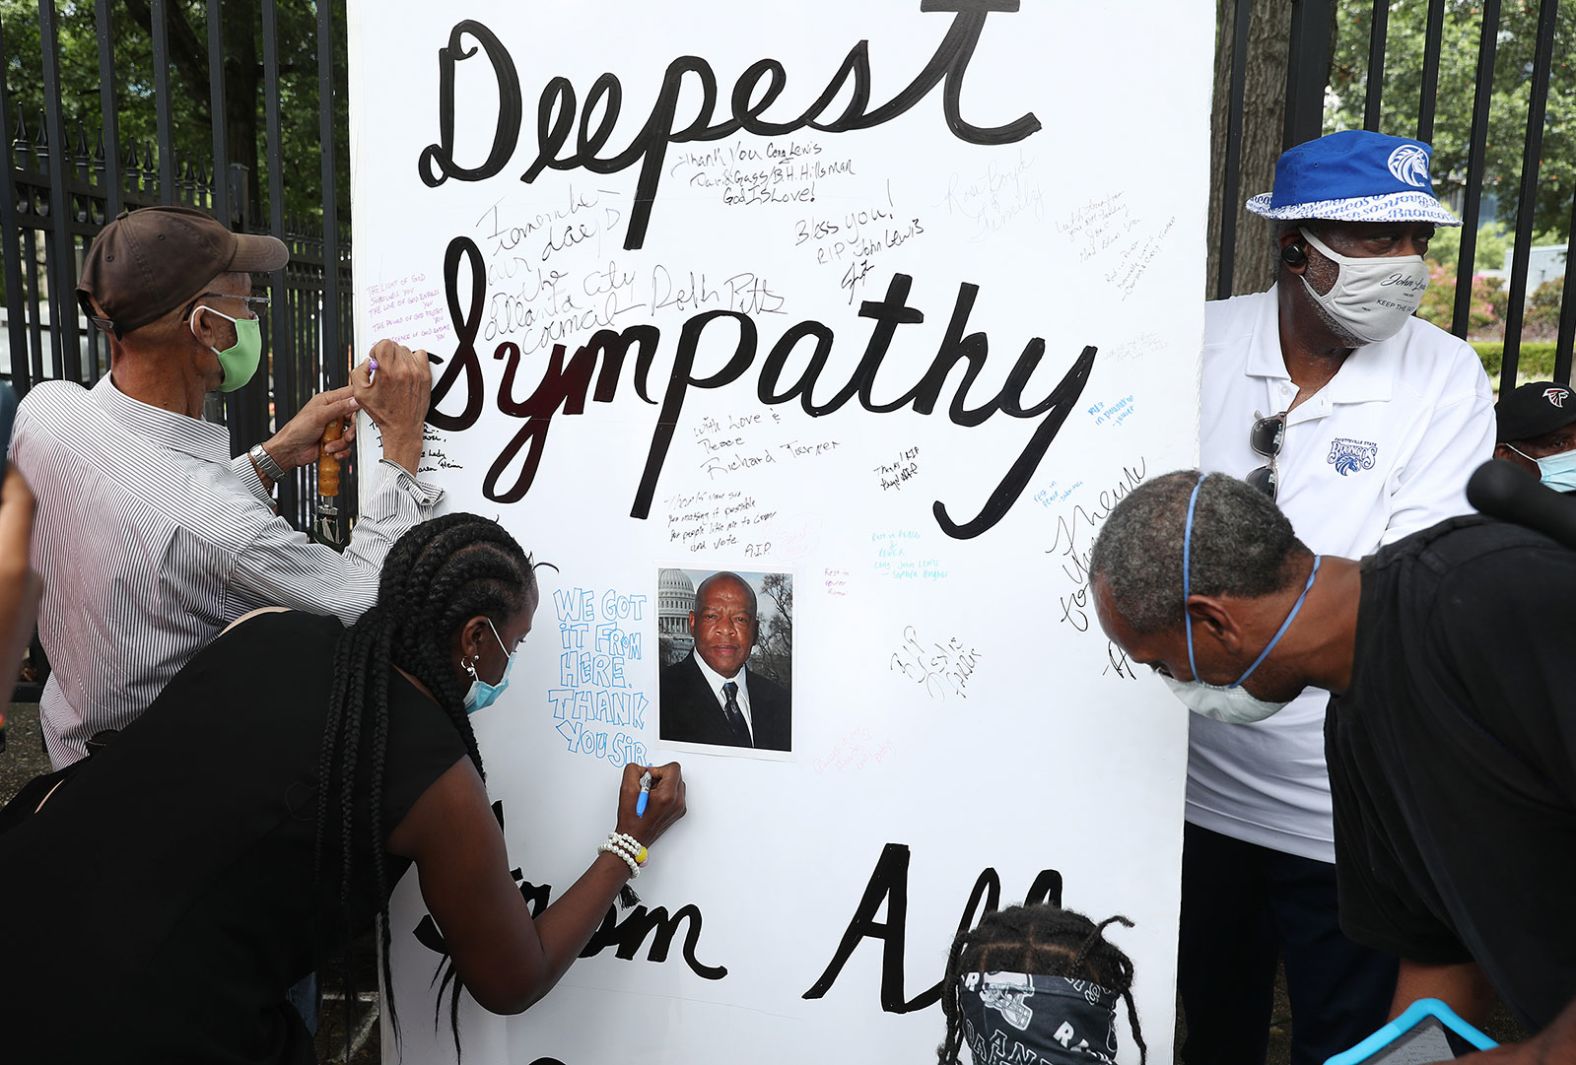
x=1535 y=364
x=1494 y=241
x=1507 y=125
x=1543 y=309
x=191 y=121
x=1486 y=310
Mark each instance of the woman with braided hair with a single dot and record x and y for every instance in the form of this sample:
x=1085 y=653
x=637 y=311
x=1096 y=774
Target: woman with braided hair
x=259 y=813
x=1037 y=983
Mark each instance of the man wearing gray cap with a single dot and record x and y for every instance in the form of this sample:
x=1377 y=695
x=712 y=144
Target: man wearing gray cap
x=149 y=538
x=1363 y=423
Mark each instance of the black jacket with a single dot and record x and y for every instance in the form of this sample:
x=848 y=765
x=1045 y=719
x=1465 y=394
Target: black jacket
x=690 y=712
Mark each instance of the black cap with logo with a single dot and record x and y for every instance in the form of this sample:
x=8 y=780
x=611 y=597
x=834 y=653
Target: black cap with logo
x=148 y=262
x=1532 y=410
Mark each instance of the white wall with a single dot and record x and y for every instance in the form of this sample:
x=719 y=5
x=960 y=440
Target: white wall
x=1048 y=755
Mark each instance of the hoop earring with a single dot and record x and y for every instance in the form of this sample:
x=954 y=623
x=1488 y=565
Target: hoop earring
x=469 y=665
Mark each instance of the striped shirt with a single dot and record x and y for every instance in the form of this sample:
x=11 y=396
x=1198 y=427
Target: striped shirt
x=150 y=539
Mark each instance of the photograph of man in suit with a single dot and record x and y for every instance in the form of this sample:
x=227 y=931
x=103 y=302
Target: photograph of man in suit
x=710 y=696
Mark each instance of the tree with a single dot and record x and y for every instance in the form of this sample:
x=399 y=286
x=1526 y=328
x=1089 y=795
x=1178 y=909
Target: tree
x=1494 y=240
x=191 y=121
x=1507 y=123
x=774 y=641
x=1403 y=78
x=1264 y=107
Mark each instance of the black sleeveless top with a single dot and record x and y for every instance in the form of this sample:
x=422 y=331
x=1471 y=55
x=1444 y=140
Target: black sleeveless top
x=161 y=903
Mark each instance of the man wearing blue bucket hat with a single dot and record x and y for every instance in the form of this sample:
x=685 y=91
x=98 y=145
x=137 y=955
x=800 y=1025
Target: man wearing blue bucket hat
x=1363 y=423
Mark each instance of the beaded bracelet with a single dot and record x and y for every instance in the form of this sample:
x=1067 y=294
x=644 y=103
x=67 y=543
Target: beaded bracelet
x=608 y=848
x=628 y=849
x=632 y=846
x=624 y=848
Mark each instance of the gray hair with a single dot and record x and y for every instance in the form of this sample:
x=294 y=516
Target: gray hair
x=1242 y=546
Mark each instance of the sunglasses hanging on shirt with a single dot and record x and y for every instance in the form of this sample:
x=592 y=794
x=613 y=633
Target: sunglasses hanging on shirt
x=1266 y=438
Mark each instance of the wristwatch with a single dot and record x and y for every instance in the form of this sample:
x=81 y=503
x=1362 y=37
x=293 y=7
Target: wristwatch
x=266 y=463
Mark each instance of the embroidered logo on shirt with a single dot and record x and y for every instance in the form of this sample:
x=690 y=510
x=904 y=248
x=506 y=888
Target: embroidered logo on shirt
x=1556 y=396
x=1349 y=456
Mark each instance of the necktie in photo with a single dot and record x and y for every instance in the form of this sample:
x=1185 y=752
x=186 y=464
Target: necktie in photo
x=735 y=715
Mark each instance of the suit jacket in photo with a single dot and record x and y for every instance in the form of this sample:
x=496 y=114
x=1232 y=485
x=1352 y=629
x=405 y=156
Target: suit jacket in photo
x=690 y=711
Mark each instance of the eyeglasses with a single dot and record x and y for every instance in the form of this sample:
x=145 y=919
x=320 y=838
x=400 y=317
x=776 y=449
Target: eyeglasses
x=1266 y=437
x=255 y=303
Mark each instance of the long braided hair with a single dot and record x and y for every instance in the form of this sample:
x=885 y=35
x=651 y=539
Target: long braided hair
x=1044 y=940
x=436 y=577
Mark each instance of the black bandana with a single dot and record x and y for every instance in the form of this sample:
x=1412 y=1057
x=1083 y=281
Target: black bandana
x=1027 y=1020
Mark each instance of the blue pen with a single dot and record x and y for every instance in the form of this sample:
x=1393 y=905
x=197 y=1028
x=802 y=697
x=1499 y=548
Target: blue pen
x=645 y=794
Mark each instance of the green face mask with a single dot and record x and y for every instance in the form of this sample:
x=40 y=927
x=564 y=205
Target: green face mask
x=238 y=362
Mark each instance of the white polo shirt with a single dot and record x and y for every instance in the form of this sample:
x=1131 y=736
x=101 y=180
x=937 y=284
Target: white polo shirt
x=1383 y=450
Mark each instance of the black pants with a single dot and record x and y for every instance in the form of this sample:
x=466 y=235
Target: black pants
x=1243 y=908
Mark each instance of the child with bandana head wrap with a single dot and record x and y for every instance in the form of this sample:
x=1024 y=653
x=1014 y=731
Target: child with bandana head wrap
x=1037 y=984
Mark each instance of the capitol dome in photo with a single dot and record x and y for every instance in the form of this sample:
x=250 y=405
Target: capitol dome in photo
x=675 y=600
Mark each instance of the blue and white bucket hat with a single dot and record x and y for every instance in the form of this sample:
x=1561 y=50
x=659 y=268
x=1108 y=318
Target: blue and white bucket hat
x=1355 y=176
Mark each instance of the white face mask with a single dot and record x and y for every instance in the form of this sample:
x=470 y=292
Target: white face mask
x=1233 y=704
x=1230 y=703
x=1371 y=298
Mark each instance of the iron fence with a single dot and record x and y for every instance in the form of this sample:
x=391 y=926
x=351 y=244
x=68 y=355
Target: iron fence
x=1308 y=71
x=62 y=180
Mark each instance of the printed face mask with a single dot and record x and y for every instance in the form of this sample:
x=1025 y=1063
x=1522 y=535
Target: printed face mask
x=481 y=694
x=1556 y=471
x=1371 y=298
x=1016 y=1017
x=239 y=361
x=1229 y=703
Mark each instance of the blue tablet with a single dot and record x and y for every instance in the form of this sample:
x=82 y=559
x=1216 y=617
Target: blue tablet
x=1429 y=1031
